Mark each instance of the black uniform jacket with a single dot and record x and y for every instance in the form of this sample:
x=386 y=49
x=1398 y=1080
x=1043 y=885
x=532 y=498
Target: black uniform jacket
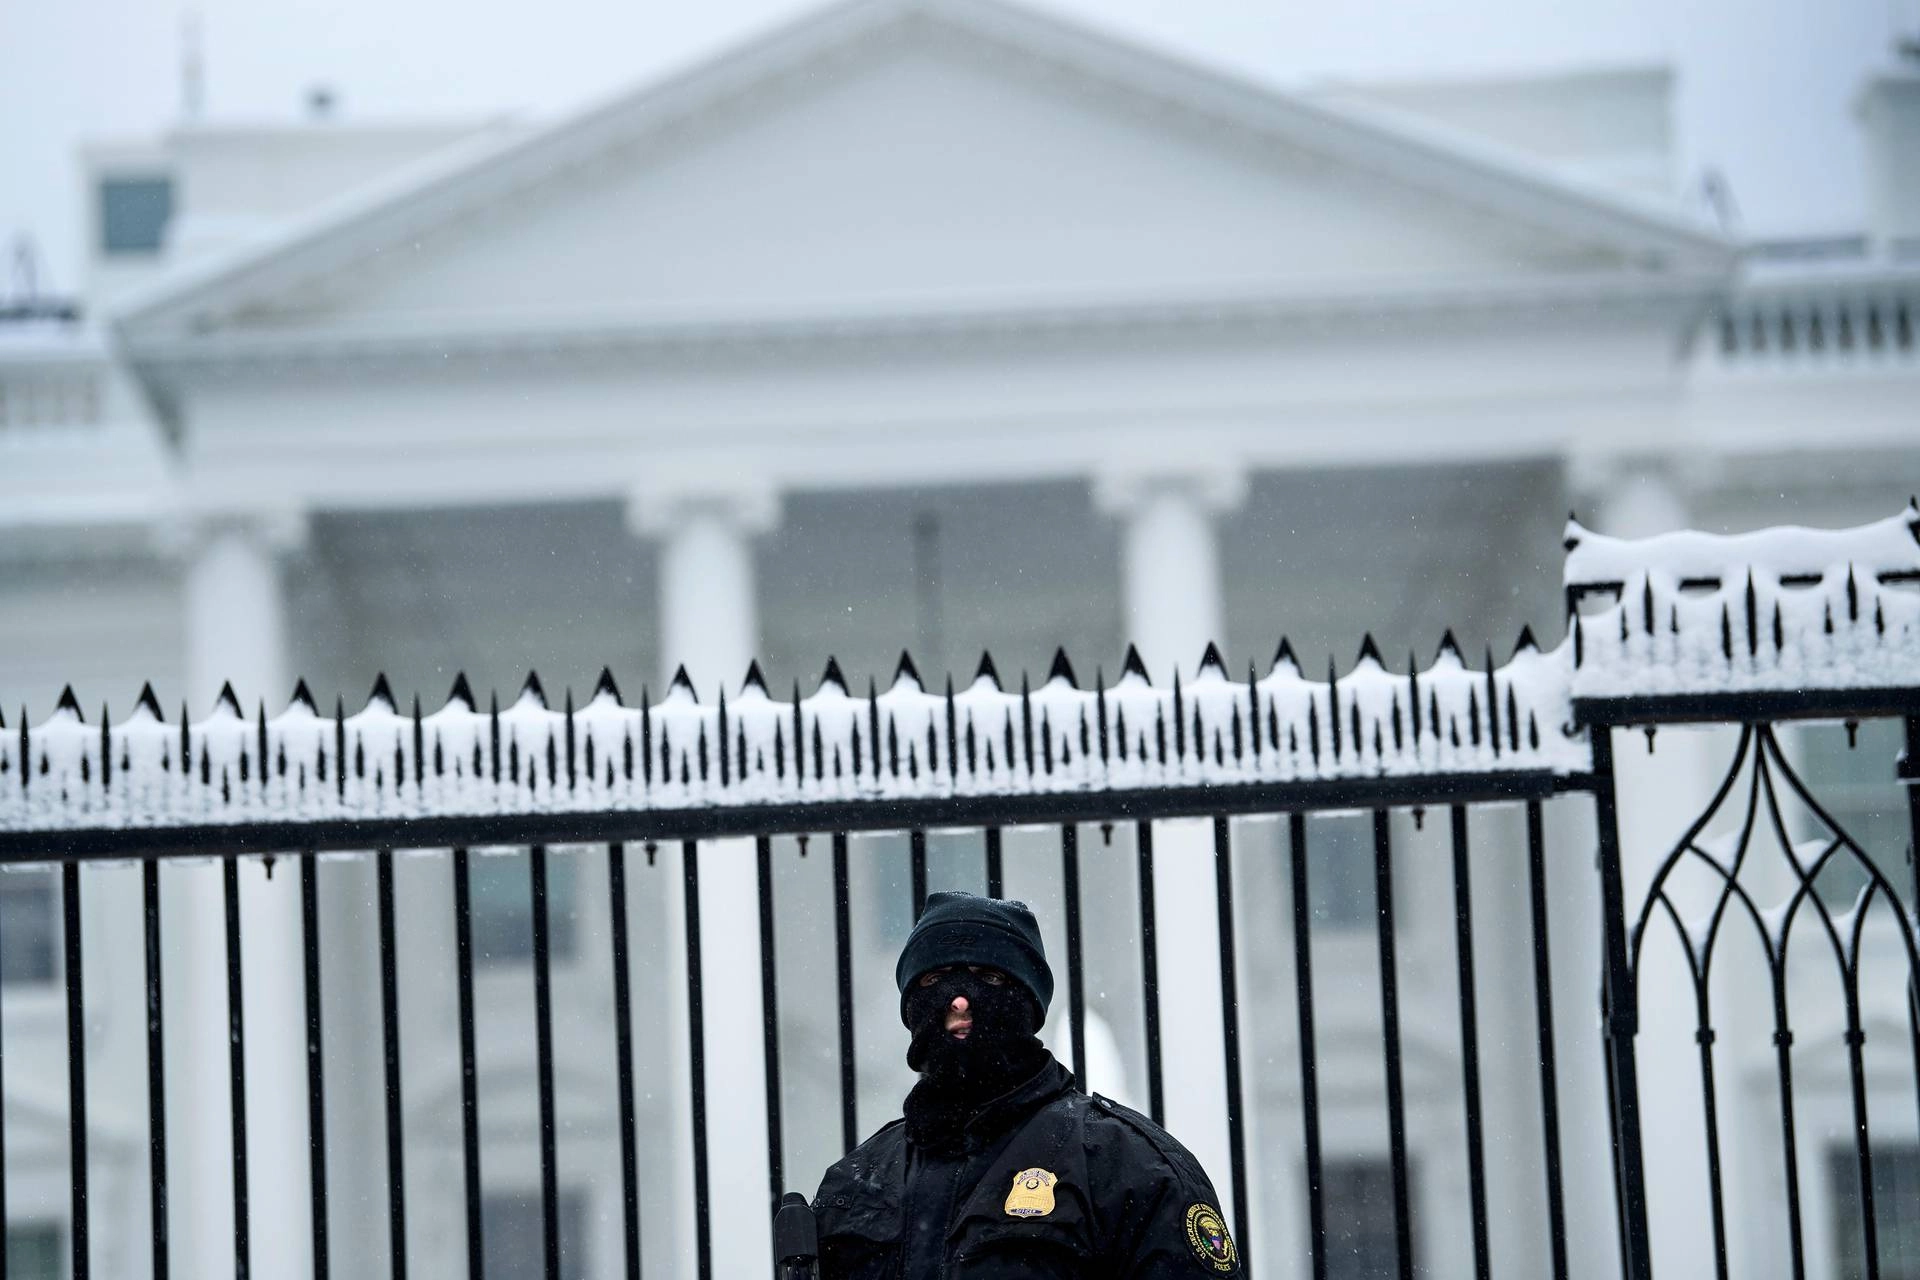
x=1049 y=1183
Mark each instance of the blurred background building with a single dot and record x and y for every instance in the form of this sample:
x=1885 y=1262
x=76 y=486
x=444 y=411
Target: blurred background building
x=914 y=323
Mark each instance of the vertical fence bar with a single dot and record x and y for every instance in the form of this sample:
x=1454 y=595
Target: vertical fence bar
x=390 y=1044
x=156 y=1075
x=1309 y=1064
x=770 y=1024
x=1390 y=1042
x=1703 y=1038
x=1150 y=971
x=1469 y=1039
x=843 y=988
x=469 y=1066
x=996 y=870
x=917 y=856
x=1543 y=1025
x=3 y=1151
x=543 y=1062
x=1621 y=1018
x=1908 y=771
x=237 y=1069
x=697 y=1059
x=316 y=1073
x=1076 y=953
x=82 y=1264
x=1230 y=1029
x=623 y=1060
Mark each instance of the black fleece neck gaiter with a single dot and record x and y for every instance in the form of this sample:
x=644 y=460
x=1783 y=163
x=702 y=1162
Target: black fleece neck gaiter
x=958 y=1077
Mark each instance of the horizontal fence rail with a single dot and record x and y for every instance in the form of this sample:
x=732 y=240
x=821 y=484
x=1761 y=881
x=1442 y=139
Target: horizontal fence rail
x=1731 y=631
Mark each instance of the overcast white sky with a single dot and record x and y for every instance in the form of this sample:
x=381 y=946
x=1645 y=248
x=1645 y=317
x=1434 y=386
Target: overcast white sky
x=1765 y=87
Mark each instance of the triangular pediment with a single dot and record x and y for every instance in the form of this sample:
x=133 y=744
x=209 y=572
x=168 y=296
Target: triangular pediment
x=908 y=155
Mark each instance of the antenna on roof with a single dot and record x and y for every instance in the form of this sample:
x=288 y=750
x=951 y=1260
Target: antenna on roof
x=193 y=78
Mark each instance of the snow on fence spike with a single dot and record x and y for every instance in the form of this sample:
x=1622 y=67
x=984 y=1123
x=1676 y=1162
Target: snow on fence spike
x=1134 y=668
x=70 y=704
x=302 y=697
x=1369 y=651
x=606 y=686
x=531 y=688
x=986 y=670
x=905 y=670
x=1526 y=642
x=382 y=693
x=1212 y=662
x=681 y=686
x=1775 y=610
x=226 y=700
x=832 y=676
x=1061 y=669
x=1283 y=657
x=1449 y=646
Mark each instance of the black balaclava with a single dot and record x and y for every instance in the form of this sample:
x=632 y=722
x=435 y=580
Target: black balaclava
x=959 y=1077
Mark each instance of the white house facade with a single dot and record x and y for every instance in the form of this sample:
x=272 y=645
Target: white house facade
x=930 y=324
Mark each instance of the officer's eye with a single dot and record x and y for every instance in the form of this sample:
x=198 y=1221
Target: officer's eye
x=932 y=976
x=992 y=977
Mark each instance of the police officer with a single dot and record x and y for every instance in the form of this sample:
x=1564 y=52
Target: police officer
x=1001 y=1166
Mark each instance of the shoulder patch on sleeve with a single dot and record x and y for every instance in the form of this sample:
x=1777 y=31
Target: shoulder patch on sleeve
x=1207 y=1236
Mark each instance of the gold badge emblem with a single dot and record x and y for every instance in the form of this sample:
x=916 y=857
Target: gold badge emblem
x=1032 y=1194
x=1207 y=1237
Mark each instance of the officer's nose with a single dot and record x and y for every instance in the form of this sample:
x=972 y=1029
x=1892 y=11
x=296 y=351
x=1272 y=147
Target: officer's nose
x=959 y=1004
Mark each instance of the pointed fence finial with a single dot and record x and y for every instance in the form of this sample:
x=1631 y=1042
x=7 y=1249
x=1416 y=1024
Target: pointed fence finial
x=302 y=697
x=905 y=670
x=1369 y=651
x=532 y=688
x=227 y=700
x=1449 y=647
x=70 y=704
x=382 y=692
x=1134 y=666
x=986 y=670
x=681 y=684
x=1061 y=669
x=1526 y=643
x=606 y=686
x=1211 y=660
x=833 y=676
x=151 y=705
x=1284 y=657
x=462 y=692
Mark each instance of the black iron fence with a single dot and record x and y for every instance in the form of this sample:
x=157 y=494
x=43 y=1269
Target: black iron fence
x=1655 y=641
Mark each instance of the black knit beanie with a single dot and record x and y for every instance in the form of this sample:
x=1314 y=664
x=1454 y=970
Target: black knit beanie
x=965 y=928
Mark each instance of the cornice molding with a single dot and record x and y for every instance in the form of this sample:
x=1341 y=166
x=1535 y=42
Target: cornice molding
x=638 y=334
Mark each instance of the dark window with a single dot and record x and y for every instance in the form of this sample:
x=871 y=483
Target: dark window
x=1896 y=1211
x=512 y=1239
x=134 y=213
x=27 y=927
x=1340 y=869
x=1360 y=1226
x=35 y=1251
x=501 y=887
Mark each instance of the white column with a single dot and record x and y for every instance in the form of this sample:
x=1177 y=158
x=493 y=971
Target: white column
x=709 y=623
x=1170 y=577
x=236 y=633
